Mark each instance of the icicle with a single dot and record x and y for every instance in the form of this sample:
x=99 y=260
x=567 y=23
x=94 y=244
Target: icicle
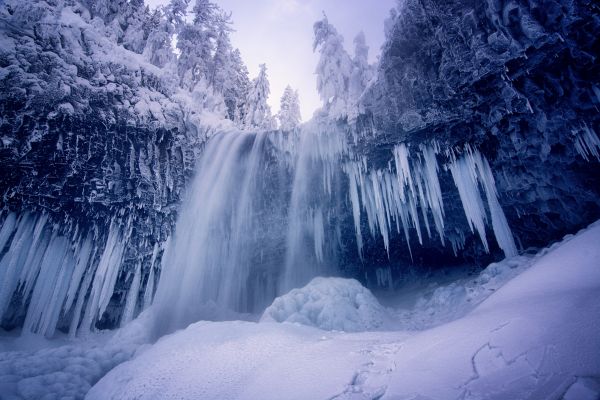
x=469 y=171
x=318 y=233
x=12 y=262
x=457 y=240
x=353 y=172
x=500 y=226
x=51 y=287
x=132 y=296
x=105 y=276
x=84 y=252
x=465 y=178
x=587 y=143
x=149 y=293
x=401 y=155
x=384 y=277
x=7 y=229
x=434 y=192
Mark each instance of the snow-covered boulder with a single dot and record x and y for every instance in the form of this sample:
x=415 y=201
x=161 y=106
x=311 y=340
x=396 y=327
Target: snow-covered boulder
x=330 y=304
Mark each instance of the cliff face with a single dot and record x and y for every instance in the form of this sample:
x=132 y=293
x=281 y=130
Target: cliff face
x=95 y=140
x=520 y=81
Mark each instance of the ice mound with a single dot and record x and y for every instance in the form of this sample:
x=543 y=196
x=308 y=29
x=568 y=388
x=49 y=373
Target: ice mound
x=329 y=303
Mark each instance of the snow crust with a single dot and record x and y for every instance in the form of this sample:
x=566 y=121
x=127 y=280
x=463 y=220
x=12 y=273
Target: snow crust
x=330 y=304
x=534 y=338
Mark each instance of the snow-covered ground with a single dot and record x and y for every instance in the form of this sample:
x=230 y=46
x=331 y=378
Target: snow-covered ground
x=525 y=328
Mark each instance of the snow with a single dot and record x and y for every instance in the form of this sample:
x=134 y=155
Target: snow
x=33 y=368
x=330 y=304
x=533 y=338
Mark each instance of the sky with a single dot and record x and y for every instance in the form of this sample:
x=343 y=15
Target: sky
x=279 y=33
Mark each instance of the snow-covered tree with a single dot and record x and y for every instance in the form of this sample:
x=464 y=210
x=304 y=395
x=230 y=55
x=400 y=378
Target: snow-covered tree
x=137 y=27
x=289 y=111
x=159 y=49
x=107 y=10
x=388 y=24
x=333 y=70
x=220 y=66
x=257 y=111
x=236 y=90
x=176 y=12
x=195 y=43
x=361 y=75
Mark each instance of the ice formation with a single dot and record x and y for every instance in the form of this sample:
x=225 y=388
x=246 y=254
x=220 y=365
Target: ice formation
x=48 y=273
x=469 y=171
x=412 y=195
x=587 y=143
x=330 y=304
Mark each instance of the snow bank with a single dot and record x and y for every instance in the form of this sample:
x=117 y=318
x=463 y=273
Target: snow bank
x=437 y=303
x=536 y=337
x=330 y=304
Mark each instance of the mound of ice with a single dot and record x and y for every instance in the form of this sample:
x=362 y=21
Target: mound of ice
x=330 y=304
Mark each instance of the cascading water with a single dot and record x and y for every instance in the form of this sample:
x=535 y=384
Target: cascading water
x=253 y=226
x=266 y=212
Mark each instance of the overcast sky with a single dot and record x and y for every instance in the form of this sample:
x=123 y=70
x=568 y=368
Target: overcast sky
x=279 y=33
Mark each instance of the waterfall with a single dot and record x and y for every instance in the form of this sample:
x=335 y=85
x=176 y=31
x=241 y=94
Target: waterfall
x=253 y=225
x=223 y=255
x=265 y=213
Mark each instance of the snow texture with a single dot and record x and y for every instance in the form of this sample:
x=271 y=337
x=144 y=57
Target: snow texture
x=534 y=338
x=330 y=304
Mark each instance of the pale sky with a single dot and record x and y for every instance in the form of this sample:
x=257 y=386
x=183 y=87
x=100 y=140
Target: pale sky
x=279 y=33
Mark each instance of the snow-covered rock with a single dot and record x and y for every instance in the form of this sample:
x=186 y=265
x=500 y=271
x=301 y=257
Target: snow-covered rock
x=329 y=303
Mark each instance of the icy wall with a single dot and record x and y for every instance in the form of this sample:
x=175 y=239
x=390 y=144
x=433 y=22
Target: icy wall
x=520 y=81
x=97 y=146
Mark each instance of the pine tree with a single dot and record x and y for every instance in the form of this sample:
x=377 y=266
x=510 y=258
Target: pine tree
x=195 y=43
x=220 y=68
x=237 y=87
x=289 y=111
x=257 y=111
x=333 y=70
